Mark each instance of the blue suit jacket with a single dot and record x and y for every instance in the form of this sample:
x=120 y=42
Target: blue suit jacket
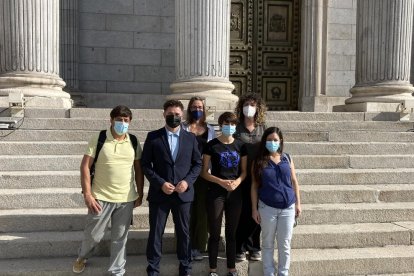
x=159 y=166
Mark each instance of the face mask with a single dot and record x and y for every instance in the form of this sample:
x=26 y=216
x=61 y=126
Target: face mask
x=197 y=114
x=272 y=146
x=172 y=121
x=120 y=127
x=249 y=111
x=228 y=130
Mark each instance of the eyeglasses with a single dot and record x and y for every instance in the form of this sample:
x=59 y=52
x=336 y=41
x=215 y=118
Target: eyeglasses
x=196 y=108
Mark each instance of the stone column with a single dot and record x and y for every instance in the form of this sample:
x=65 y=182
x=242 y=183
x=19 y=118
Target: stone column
x=313 y=59
x=383 y=57
x=29 y=52
x=69 y=44
x=202 y=52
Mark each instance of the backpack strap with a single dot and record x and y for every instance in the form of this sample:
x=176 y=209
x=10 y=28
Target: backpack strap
x=287 y=156
x=134 y=142
x=99 y=145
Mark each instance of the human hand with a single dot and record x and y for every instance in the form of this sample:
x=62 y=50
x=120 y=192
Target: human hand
x=93 y=205
x=256 y=216
x=226 y=184
x=298 y=210
x=181 y=186
x=234 y=184
x=138 y=202
x=168 y=188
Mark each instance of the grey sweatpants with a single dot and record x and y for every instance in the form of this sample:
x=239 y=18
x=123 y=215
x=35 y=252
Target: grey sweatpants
x=119 y=215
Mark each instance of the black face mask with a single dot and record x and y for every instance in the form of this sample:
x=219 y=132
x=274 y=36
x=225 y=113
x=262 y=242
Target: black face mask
x=172 y=121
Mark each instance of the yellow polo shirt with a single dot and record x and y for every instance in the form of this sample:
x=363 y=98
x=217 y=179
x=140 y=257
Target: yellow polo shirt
x=114 y=179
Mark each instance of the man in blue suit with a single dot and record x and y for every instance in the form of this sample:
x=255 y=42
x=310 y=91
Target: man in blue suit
x=171 y=162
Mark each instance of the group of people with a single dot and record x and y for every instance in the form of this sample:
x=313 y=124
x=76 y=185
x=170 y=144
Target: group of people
x=196 y=176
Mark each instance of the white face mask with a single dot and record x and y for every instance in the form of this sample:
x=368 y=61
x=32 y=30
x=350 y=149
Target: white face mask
x=249 y=111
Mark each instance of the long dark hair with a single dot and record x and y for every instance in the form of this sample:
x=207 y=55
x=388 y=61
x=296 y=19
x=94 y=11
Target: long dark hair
x=190 y=119
x=263 y=155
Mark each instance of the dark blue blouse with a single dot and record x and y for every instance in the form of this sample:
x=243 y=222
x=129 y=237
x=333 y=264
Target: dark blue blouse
x=276 y=188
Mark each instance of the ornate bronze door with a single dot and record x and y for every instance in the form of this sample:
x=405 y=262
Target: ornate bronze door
x=264 y=50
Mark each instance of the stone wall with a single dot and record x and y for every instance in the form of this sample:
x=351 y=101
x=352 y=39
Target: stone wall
x=341 y=47
x=126 y=51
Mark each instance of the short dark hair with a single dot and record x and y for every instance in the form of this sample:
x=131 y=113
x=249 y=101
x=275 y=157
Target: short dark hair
x=173 y=103
x=121 y=111
x=227 y=117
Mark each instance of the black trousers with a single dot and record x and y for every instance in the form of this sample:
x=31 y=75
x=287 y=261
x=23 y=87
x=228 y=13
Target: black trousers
x=158 y=214
x=219 y=201
x=248 y=231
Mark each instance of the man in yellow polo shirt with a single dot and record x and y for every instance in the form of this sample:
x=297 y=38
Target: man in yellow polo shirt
x=112 y=196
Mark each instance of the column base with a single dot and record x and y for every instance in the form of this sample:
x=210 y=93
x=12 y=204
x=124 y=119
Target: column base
x=39 y=90
x=216 y=93
x=38 y=97
x=381 y=94
x=371 y=107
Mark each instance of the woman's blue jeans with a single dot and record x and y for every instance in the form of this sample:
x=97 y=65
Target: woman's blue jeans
x=276 y=224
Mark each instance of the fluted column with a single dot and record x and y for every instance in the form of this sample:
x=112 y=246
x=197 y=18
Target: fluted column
x=383 y=57
x=29 y=52
x=69 y=44
x=202 y=51
x=313 y=52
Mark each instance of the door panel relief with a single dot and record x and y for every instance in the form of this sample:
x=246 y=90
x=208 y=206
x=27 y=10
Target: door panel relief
x=264 y=52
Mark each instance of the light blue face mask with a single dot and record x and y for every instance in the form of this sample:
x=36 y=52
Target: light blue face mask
x=272 y=146
x=120 y=127
x=228 y=130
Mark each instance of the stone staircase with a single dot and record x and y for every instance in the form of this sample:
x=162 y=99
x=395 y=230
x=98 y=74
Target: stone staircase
x=356 y=172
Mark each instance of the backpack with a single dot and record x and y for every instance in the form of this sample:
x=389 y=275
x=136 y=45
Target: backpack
x=101 y=141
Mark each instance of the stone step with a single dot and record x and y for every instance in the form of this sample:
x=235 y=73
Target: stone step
x=367 y=136
x=355 y=176
x=135 y=265
x=352 y=235
x=72 y=162
x=351 y=261
x=99 y=113
x=151 y=123
x=298 y=148
x=39 y=179
x=340 y=213
x=63 y=219
x=389 y=260
x=59 y=219
x=289 y=136
x=345 y=148
x=40 y=162
x=270 y=115
x=344 y=161
x=58 y=135
x=310 y=194
x=62 y=244
x=313 y=194
x=70 y=179
x=43 y=148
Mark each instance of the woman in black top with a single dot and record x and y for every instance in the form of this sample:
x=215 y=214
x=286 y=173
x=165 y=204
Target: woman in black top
x=228 y=169
x=250 y=111
x=196 y=124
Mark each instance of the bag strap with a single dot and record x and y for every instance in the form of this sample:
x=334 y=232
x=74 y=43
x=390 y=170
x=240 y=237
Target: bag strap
x=99 y=145
x=287 y=156
x=134 y=141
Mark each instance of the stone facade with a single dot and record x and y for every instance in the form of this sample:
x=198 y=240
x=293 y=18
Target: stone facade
x=126 y=52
